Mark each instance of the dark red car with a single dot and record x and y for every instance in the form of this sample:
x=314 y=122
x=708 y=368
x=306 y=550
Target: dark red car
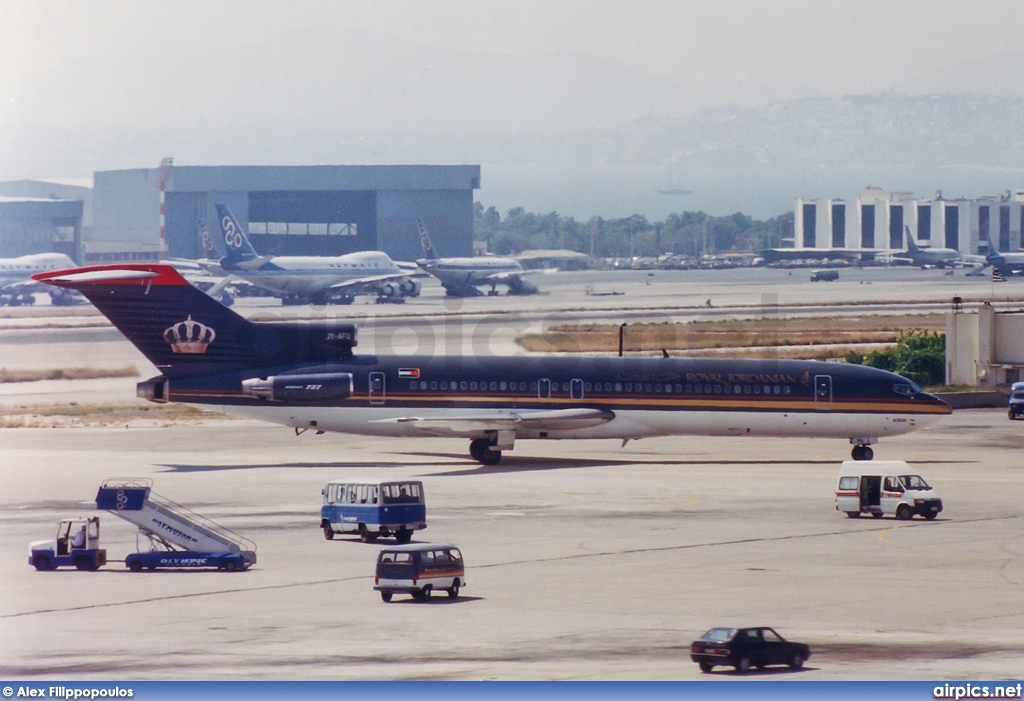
x=744 y=648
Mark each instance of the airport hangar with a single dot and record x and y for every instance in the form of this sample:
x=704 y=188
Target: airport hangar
x=290 y=210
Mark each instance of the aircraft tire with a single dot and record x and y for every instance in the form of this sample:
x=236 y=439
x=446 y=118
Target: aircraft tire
x=862 y=452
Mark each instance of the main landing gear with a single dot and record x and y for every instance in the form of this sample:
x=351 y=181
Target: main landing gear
x=481 y=451
x=862 y=452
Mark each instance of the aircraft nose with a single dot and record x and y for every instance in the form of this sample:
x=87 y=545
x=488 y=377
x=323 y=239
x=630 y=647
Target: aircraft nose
x=940 y=405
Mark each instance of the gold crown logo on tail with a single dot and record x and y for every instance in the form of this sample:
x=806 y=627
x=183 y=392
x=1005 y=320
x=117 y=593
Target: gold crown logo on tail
x=189 y=336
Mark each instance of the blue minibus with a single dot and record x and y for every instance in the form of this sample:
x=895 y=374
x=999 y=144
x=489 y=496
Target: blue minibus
x=373 y=510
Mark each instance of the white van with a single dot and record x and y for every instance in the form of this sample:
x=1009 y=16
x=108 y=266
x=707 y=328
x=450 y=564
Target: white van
x=880 y=487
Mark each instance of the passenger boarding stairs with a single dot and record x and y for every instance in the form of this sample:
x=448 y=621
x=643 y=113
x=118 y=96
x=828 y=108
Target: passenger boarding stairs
x=169 y=526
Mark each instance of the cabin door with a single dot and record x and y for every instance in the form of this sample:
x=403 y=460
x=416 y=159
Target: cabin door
x=376 y=388
x=822 y=391
x=544 y=388
x=576 y=389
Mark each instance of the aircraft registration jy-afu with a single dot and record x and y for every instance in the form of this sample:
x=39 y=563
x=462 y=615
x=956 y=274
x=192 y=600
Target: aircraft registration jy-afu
x=308 y=375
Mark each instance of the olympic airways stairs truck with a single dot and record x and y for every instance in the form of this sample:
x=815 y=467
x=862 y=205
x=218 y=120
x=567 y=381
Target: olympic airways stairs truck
x=177 y=536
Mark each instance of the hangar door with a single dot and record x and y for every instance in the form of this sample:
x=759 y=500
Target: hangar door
x=313 y=223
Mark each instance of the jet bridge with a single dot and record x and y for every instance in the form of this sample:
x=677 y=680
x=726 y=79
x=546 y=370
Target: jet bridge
x=178 y=537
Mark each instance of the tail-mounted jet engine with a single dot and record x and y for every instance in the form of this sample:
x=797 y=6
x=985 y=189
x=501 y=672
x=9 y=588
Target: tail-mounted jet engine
x=318 y=387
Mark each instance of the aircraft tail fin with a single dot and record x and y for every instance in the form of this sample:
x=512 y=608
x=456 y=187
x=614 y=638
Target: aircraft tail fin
x=911 y=243
x=180 y=329
x=240 y=253
x=428 y=247
x=993 y=257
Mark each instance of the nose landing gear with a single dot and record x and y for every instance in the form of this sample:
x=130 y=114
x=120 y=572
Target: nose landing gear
x=481 y=451
x=862 y=452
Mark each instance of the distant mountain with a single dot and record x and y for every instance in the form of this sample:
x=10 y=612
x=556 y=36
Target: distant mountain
x=754 y=159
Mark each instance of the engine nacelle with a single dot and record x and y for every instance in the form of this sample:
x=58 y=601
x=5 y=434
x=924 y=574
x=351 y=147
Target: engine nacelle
x=411 y=288
x=390 y=290
x=318 y=387
x=154 y=389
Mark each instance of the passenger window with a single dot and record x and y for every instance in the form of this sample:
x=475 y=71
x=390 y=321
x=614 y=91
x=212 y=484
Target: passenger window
x=427 y=557
x=849 y=482
x=893 y=485
x=770 y=637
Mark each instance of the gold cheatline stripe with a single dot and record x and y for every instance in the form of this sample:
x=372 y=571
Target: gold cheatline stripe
x=852 y=405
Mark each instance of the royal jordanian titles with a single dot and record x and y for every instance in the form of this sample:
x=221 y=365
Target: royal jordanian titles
x=308 y=375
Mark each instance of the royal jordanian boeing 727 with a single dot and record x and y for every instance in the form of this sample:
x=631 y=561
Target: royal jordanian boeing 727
x=307 y=375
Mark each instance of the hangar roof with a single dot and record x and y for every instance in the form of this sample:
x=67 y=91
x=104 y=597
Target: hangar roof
x=256 y=178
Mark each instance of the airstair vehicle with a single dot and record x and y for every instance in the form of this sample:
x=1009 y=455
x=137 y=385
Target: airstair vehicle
x=178 y=537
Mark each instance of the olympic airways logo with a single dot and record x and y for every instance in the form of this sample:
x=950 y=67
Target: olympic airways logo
x=122 y=499
x=232 y=236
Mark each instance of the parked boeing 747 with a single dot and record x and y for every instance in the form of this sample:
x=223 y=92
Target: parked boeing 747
x=313 y=279
x=308 y=375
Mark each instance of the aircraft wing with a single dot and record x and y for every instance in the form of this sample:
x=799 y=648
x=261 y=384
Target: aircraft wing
x=366 y=285
x=506 y=275
x=476 y=424
x=21 y=287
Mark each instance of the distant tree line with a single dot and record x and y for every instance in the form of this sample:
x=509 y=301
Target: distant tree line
x=686 y=234
x=918 y=355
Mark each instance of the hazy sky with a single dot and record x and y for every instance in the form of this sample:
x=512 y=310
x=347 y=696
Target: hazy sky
x=103 y=84
x=183 y=62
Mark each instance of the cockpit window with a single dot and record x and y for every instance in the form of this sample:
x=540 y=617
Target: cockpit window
x=906 y=388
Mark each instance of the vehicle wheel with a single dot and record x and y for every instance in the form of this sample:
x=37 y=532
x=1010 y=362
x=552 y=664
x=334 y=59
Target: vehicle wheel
x=797 y=662
x=328 y=533
x=403 y=536
x=136 y=566
x=931 y=515
x=1011 y=415
x=903 y=512
x=41 y=562
x=743 y=665
x=365 y=535
x=83 y=563
x=853 y=514
x=706 y=667
x=385 y=596
x=877 y=514
x=230 y=566
x=453 y=593
x=423 y=593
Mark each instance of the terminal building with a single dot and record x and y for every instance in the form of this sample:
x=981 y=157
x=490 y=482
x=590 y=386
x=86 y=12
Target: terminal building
x=877 y=220
x=289 y=210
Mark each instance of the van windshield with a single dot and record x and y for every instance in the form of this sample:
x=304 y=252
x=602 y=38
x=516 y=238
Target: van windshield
x=914 y=482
